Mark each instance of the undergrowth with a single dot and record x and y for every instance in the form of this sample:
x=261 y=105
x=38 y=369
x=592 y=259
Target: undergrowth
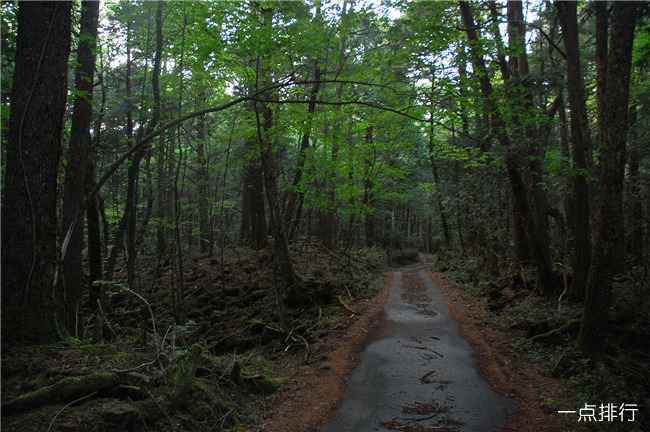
x=620 y=375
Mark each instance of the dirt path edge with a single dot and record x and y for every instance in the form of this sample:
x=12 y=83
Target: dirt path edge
x=505 y=371
x=313 y=394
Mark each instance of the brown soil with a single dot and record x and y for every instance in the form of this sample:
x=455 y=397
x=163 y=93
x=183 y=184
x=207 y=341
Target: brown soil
x=313 y=391
x=506 y=371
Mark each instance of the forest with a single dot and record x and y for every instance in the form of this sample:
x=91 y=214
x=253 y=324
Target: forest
x=216 y=215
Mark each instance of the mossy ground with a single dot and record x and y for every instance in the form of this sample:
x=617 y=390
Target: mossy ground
x=233 y=319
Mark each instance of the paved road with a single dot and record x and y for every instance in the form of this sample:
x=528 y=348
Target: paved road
x=417 y=373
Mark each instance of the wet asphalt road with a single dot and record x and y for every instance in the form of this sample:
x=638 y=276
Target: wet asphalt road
x=417 y=373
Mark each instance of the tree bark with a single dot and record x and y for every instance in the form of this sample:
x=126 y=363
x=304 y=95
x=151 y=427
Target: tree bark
x=161 y=241
x=205 y=231
x=75 y=174
x=133 y=172
x=368 y=199
x=602 y=27
x=179 y=310
x=29 y=220
x=434 y=170
x=93 y=219
x=581 y=142
x=637 y=232
x=609 y=256
x=253 y=223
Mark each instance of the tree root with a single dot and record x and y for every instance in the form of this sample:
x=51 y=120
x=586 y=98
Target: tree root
x=571 y=324
x=345 y=306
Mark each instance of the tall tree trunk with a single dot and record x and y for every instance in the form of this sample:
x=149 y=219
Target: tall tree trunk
x=295 y=202
x=567 y=201
x=161 y=242
x=94 y=205
x=602 y=26
x=581 y=144
x=75 y=174
x=434 y=169
x=93 y=219
x=29 y=221
x=253 y=223
x=179 y=310
x=519 y=71
x=368 y=199
x=328 y=220
x=205 y=231
x=637 y=232
x=293 y=211
x=268 y=157
x=609 y=256
x=133 y=171
x=125 y=235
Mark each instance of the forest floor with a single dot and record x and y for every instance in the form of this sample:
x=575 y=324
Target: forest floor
x=239 y=363
x=221 y=370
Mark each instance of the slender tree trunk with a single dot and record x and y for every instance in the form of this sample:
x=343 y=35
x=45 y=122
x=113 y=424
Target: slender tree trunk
x=637 y=233
x=368 y=199
x=294 y=204
x=205 y=231
x=581 y=144
x=93 y=219
x=268 y=157
x=29 y=221
x=161 y=242
x=602 y=27
x=434 y=170
x=222 y=217
x=328 y=220
x=296 y=198
x=74 y=188
x=179 y=311
x=133 y=171
x=609 y=256
x=94 y=205
x=524 y=100
x=567 y=202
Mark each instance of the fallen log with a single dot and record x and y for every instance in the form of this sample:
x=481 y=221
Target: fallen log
x=66 y=390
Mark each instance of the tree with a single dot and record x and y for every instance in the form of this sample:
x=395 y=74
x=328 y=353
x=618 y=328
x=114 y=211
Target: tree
x=609 y=255
x=269 y=163
x=580 y=221
x=29 y=219
x=75 y=177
